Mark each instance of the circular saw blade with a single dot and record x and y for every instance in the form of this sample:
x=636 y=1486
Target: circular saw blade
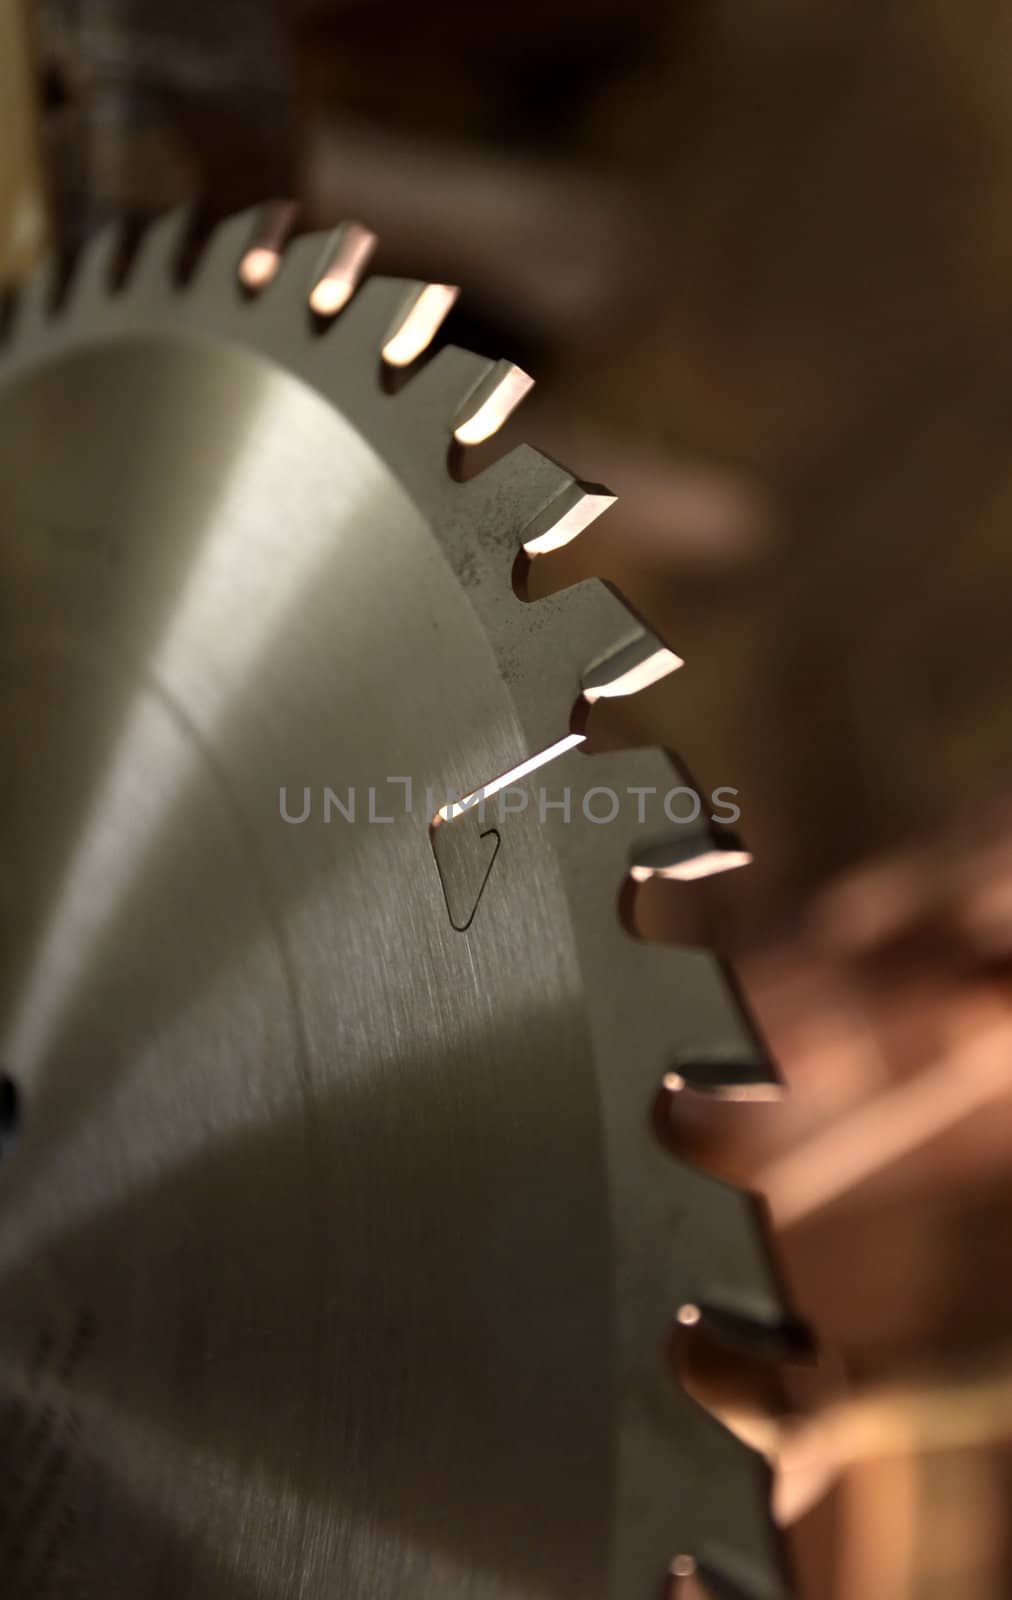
x=337 y=1254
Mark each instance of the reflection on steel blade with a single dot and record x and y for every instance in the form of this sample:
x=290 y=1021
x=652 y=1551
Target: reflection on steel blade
x=336 y=1254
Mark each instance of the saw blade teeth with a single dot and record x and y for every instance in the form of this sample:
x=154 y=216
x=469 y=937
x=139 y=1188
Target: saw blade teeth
x=94 y=273
x=287 y=297
x=566 y=517
x=544 y=666
x=689 y=1248
x=343 y=259
x=701 y=853
x=492 y=401
x=576 y=628
x=511 y=492
x=790 y=1339
x=297 y=266
x=674 y=1525
x=737 y=1549
x=360 y=330
x=725 y=1271
x=671 y=822
x=228 y=266
x=629 y=666
x=451 y=378
x=441 y=392
x=414 y=329
x=694 y=1027
x=156 y=262
x=479 y=522
x=260 y=262
x=608 y=647
x=704 y=1039
x=724 y=1054
x=689 y=859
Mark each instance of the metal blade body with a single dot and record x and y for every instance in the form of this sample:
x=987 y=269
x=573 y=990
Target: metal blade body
x=336 y=1256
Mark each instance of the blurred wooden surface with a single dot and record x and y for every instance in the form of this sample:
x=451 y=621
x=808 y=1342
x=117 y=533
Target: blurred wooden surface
x=23 y=229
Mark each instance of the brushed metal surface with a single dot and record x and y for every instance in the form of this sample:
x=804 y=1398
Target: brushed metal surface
x=321 y=1178
x=337 y=1253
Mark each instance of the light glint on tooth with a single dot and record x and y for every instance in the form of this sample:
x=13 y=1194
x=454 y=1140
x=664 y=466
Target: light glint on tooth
x=335 y=288
x=330 y=295
x=421 y=324
x=258 y=266
x=570 y=525
x=705 y=865
x=495 y=409
x=748 y=1091
x=641 y=676
x=263 y=258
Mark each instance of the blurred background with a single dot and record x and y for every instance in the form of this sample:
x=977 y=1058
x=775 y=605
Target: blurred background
x=758 y=258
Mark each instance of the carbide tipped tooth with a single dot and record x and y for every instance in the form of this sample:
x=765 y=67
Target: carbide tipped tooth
x=363 y=325
x=349 y=346
x=674 y=1450
x=699 y=853
x=491 y=402
x=301 y=270
x=511 y=492
x=631 y=666
x=726 y=1267
x=479 y=525
x=299 y=264
x=260 y=261
x=346 y=254
x=736 y=1545
x=701 y=1034
x=441 y=392
x=219 y=266
x=675 y=836
x=418 y=324
x=659 y=1515
x=788 y=1340
x=579 y=626
x=566 y=517
x=718 y=1049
